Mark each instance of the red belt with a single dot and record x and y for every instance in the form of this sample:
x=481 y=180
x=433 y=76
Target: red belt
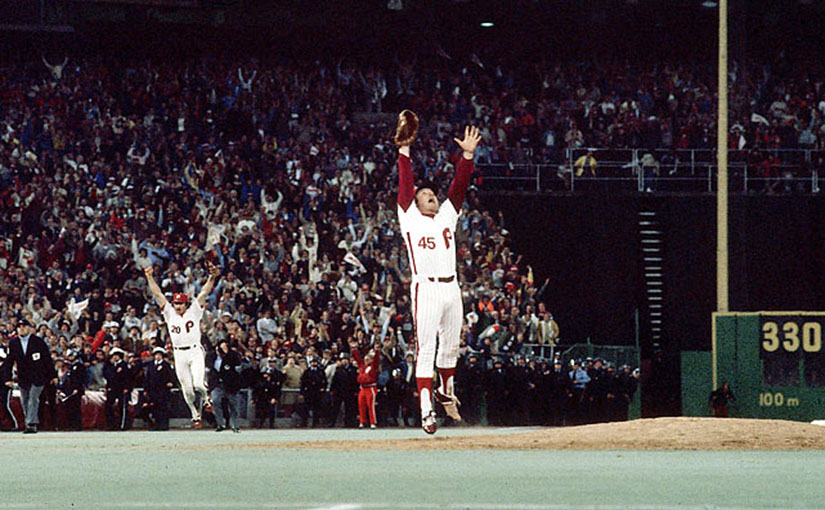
x=446 y=279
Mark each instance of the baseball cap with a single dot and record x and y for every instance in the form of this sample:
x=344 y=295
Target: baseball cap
x=426 y=185
x=116 y=350
x=180 y=297
x=158 y=350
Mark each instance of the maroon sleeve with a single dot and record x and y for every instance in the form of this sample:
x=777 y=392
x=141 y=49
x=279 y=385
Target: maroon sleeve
x=406 y=187
x=461 y=182
x=358 y=358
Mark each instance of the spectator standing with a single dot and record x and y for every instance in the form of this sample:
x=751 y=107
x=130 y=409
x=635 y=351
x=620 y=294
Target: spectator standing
x=586 y=164
x=650 y=172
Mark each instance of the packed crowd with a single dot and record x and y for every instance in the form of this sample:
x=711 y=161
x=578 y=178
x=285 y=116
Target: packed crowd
x=108 y=166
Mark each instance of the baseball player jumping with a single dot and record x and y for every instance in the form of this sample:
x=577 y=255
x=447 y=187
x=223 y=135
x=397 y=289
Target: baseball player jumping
x=184 y=323
x=428 y=228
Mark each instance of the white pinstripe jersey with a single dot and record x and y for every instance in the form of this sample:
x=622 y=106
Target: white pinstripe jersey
x=184 y=330
x=430 y=241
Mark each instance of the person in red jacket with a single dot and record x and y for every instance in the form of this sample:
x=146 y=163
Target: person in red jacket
x=368 y=368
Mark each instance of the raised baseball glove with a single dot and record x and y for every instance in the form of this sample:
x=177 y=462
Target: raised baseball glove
x=407 y=129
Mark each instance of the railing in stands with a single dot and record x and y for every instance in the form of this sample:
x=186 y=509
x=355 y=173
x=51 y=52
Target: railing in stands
x=775 y=171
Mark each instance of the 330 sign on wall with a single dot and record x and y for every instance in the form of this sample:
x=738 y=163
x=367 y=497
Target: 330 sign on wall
x=791 y=334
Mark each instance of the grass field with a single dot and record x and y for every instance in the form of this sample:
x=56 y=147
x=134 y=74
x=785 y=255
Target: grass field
x=262 y=469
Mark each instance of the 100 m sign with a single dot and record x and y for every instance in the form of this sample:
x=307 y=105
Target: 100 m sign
x=768 y=399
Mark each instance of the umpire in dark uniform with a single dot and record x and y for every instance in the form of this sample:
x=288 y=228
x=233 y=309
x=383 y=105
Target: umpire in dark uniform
x=118 y=389
x=224 y=366
x=159 y=379
x=6 y=385
x=35 y=369
x=72 y=386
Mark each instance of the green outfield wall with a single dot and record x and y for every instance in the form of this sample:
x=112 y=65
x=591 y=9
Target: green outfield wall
x=774 y=362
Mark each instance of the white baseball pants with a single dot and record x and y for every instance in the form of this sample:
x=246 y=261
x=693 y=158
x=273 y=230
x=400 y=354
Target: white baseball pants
x=437 y=314
x=190 y=368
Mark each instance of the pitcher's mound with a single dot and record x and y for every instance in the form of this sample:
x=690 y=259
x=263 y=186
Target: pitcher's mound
x=646 y=434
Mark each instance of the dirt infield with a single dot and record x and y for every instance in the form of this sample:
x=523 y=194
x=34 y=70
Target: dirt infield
x=646 y=434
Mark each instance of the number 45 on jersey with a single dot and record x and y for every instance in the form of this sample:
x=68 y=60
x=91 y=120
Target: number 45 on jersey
x=428 y=243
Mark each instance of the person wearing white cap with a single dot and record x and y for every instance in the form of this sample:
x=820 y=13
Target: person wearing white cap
x=72 y=386
x=119 y=382
x=159 y=380
x=184 y=323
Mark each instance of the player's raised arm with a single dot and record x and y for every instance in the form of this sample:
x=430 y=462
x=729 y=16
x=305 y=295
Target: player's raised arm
x=356 y=354
x=405 y=134
x=465 y=166
x=153 y=286
x=214 y=272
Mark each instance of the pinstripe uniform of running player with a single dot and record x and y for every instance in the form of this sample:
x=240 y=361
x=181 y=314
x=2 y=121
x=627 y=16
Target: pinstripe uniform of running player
x=184 y=324
x=428 y=229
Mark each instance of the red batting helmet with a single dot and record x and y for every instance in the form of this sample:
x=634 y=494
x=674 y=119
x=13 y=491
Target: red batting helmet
x=180 y=297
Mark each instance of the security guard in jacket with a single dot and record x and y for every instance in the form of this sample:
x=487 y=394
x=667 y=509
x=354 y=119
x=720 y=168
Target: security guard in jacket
x=313 y=386
x=267 y=393
x=72 y=386
x=159 y=379
x=118 y=390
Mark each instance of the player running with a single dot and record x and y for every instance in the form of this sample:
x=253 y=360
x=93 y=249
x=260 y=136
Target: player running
x=184 y=323
x=428 y=228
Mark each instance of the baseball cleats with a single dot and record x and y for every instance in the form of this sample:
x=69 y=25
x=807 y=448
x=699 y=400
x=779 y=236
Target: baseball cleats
x=197 y=425
x=450 y=404
x=207 y=405
x=429 y=424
